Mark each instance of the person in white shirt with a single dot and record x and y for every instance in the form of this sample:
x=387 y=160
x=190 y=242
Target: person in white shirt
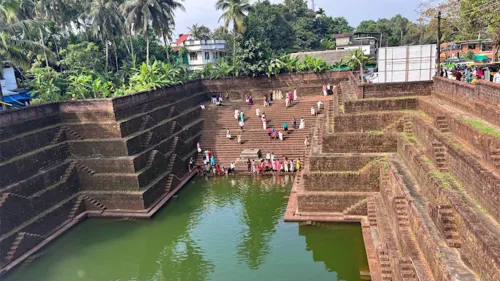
x=319 y=105
x=496 y=78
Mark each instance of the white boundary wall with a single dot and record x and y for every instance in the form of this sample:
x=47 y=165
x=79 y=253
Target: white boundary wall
x=406 y=63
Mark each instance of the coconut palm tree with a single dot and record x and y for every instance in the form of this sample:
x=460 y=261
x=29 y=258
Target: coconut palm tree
x=199 y=32
x=146 y=15
x=107 y=23
x=16 y=10
x=234 y=13
x=358 y=59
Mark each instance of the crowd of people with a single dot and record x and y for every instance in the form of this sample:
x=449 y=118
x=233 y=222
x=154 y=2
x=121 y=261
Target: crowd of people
x=270 y=163
x=210 y=167
x=469 y=74
x=273 y=164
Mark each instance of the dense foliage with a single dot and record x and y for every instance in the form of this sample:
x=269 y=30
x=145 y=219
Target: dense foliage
x=103 y=48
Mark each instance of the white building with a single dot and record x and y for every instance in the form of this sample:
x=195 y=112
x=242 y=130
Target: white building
x=406 y=63
x=365 y=41
x=201 y=52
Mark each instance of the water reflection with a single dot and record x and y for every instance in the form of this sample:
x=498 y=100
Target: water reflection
x=260 y=215
x=346 y=240
x=219 y=229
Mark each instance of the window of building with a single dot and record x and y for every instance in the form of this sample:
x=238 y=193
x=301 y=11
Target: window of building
x=486 y=47
x=472 y=46
x=216 y=55
x=207 y=55
x=193 y=56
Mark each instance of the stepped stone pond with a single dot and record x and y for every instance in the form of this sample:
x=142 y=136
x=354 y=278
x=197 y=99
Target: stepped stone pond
x=221 y=229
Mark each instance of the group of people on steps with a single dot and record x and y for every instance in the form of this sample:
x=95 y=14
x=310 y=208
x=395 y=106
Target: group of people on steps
x=270 y=163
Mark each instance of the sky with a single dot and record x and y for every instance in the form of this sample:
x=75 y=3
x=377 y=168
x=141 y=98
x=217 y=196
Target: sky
x=203 y=11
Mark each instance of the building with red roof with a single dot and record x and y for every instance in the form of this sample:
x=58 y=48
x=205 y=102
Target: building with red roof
x=200 y=52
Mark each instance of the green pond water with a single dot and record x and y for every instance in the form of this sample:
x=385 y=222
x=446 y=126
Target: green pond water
x=218 y=229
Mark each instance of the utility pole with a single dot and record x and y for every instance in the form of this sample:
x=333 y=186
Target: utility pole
x=313 y=7
x=438 y=47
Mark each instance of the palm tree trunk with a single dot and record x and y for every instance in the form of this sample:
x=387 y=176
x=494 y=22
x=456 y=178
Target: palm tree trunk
x=234 y=51
x=116 y=55
x=147 y=49
x=44 y=51
x=131 y=47
x=107 y=54
x=166 y=46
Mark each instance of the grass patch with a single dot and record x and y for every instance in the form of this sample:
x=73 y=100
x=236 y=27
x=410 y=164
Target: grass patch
x=481 y=127
x=478 y=205
x=375 y=132
x=411 y=139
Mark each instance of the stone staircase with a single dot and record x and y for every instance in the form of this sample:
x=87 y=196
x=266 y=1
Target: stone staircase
x=446 y=217
x=76 y=207
x=57 y=136
x=94 y=202
x=385 y=264
x=225 y=151
x=358 y=209
x=440 y=156
x=442 y=124
x=372 y=212
x=64 y=178
x=408 y=125
x=145 y=120
x=147 y=141
x=407 y=271
x=21 y=236
x=401 y=212
x=74 y=135
x=85 y=169
x=495 y=158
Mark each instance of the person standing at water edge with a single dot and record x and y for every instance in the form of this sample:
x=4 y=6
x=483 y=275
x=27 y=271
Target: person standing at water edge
x=212 y=160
